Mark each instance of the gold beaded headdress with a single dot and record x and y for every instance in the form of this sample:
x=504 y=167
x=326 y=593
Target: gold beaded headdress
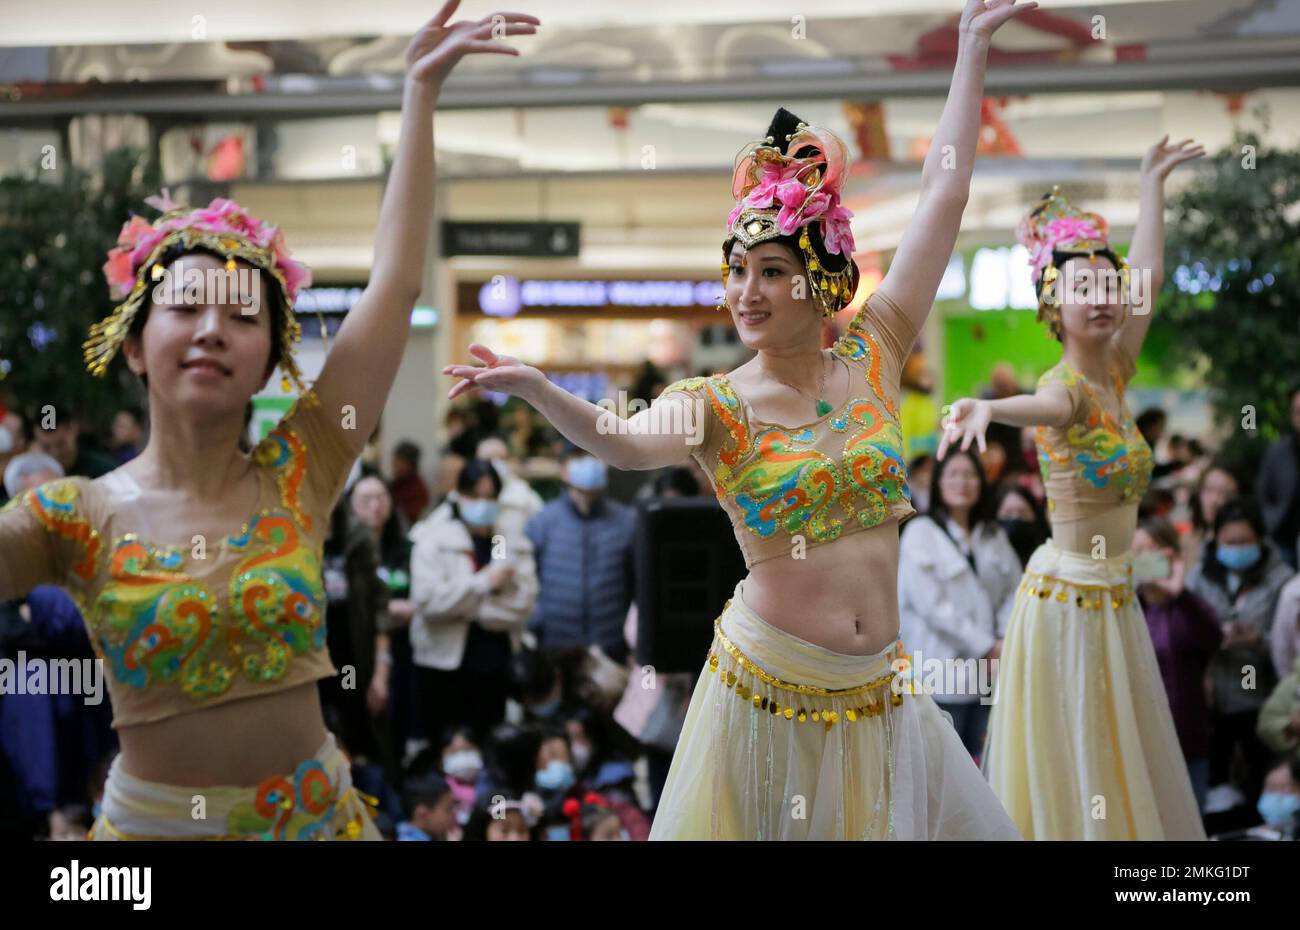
x=790 y=182
x=1057 y=227
x=223 y=227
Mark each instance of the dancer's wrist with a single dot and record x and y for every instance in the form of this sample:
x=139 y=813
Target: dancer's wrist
x=421 y=93
x=972 y=42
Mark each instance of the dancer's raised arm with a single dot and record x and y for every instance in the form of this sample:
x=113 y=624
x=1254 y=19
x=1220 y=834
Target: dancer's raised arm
x=923 y=253
x=363 y=360
x=657 y=437
x=969 y=418
x=1146 y=256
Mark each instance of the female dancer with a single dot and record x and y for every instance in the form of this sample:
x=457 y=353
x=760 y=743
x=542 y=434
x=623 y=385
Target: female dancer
x=796 y=729
x=198 y=569
x=1081 y=742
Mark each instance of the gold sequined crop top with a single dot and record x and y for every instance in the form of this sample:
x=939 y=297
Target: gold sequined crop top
x=1096 y=462
x=824 y=480
x=180 y=629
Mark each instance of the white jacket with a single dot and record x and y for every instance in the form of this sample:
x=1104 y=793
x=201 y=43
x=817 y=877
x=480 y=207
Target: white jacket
x=945 y=610
x=450 y=593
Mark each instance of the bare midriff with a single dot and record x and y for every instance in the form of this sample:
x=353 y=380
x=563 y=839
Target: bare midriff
x=242 y=742
x=842 y=596
x=1103 y=535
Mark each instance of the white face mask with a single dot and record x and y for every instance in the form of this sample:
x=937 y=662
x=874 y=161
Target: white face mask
x=463 y=765
x=581 y=756
x=6 y=441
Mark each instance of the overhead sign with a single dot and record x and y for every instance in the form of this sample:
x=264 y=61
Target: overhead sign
x=530 y=240
x=506 y=296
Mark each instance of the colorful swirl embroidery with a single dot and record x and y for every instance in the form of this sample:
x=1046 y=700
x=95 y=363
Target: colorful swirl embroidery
x=54 y=504
x=788 y=485
x=285 y=453
x=277 y=598
x=154 y=623
x=873 y=461
x=778 y=480
x=858 y=344
x=284 y=809
x=1109 y=454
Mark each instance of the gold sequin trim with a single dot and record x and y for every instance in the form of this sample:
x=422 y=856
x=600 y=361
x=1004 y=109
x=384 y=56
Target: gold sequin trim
x=1085 y=596
x=801 y=711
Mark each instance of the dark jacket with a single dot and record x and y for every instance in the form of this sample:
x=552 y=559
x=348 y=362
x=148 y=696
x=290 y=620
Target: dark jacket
x=1185 y=633
x=1254 y=604
x=367 y=600
x=585 y=566
x=1278 y=487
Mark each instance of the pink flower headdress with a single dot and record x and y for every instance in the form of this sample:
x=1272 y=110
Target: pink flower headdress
x=224 y=227
x=790 y=183
x=1054 y=225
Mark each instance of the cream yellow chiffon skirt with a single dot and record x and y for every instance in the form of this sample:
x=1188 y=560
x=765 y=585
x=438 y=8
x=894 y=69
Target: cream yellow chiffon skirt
x=315 y=802
x=1081 y=744
x=785 y=740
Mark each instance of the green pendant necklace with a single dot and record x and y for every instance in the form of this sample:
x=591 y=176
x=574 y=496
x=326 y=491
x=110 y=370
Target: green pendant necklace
x=823 y=406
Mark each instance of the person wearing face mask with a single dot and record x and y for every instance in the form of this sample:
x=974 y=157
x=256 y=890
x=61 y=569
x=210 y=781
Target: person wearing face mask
x=554 y=778
x=474 y=587
x=1022 y=520
x=1240 y=576
x=1279 y=803
x=584 y=543
x=1217 y=484
x=1185 y=634
x=462 y=763
x=519 y=502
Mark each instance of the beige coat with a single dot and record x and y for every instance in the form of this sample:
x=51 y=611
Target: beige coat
x=450 y=594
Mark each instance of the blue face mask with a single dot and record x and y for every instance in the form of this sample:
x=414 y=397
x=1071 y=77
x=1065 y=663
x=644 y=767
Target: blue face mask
x=587 y=474
x=478 y=511
x=1278 y=808
x=546 y=708
x=557 y=776
x=1237 y=558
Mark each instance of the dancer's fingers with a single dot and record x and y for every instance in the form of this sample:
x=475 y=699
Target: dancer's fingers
x=496 y=31
x=512 y=18
x=478 y=350
x=943 y=445
x=440 y=18
x=479 y=46
x=460 y=388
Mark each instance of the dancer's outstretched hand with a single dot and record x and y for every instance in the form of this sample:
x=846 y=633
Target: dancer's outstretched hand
x=497 y=373
x=980 y=18
x=437 y=47
x=1163 y=158
x=968 y=420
